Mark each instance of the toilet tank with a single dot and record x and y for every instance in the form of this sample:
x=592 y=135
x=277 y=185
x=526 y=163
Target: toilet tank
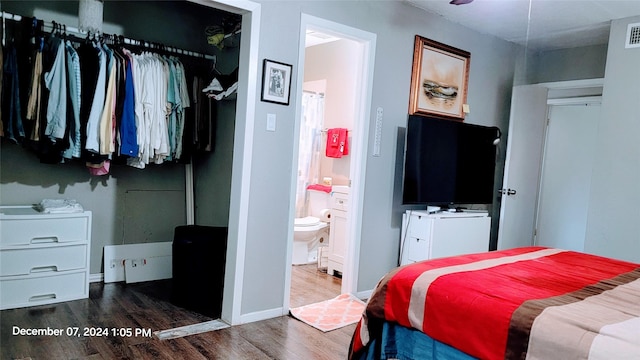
x=318 y=201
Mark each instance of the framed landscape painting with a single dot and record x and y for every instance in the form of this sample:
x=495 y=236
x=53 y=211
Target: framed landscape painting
x=439 y=80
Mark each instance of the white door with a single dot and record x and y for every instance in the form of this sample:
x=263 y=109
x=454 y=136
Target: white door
x=566 y=176
x=522 y=166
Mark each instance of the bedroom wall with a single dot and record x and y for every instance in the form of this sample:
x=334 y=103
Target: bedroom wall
x=396 y=24
x=612 y=226
x=129 y=205
x=587 y=62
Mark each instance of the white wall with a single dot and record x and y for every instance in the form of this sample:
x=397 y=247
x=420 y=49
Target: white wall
x=613 y=227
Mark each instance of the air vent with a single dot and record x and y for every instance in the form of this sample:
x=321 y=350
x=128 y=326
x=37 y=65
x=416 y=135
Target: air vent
x=633 y=36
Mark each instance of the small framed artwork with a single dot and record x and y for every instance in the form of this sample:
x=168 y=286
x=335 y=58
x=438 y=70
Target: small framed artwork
x=439 y=80
x=276 y=82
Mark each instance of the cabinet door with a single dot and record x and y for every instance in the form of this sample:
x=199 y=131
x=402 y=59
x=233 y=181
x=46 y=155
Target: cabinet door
x=338 y=242
x=418 y=249
x=457 y=236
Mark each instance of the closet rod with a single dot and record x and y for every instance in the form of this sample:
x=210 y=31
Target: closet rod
x=148 y=44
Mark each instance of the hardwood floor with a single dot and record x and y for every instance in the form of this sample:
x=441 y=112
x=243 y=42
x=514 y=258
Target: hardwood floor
x=308 y=285
x=146 y=307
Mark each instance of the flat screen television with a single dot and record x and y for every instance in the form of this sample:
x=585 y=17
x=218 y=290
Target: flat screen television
x=448 y=162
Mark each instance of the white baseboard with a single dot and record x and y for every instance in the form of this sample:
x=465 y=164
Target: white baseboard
x=364 y=295
x=261 y=315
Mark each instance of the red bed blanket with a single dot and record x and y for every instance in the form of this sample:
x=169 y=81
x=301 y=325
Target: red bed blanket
x=525 y=303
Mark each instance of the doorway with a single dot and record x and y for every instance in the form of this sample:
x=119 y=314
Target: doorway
x=358 y=48
x=566 y=174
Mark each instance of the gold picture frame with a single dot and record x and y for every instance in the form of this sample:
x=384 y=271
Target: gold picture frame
x=439 y=80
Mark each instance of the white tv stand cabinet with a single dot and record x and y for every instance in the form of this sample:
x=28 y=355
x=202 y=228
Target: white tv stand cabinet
x=433 y=235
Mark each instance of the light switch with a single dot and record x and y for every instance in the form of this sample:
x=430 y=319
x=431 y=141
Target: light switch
x=271 y=122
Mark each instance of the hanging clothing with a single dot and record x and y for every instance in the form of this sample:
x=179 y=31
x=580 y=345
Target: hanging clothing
x=56 y=82
x=75 y=97
x=35 y=96
x=13 y=126
x=128 y=129
x=93 y=122
x=106 y=131
x=101 y=103
x=183 y=104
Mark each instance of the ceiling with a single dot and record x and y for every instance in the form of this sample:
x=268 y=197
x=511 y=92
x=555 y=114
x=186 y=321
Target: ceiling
x=537 y=24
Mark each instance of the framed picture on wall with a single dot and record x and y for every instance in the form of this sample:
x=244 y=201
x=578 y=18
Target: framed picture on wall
x=276 y=82
x=438 y=80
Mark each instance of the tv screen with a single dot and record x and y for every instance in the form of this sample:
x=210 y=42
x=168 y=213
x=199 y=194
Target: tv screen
x=448 y=162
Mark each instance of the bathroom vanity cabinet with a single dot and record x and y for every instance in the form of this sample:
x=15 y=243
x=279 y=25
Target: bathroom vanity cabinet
x=338 y=229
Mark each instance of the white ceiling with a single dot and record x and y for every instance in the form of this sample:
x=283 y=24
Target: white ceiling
x=537 y=24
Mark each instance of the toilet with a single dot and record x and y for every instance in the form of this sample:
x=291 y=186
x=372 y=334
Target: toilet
x=311 y=231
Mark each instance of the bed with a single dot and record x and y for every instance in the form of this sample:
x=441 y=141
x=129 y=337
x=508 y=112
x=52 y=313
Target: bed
x=524 y=303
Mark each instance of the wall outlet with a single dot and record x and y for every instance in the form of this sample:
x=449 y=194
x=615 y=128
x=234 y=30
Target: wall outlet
x=114 y=263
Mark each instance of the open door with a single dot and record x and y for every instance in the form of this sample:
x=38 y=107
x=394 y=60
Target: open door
x=522 y=166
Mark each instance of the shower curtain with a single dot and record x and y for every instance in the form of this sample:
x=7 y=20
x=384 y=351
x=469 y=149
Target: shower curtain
x=310 y=147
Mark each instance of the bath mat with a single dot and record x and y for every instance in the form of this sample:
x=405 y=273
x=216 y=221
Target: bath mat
x=331 y=314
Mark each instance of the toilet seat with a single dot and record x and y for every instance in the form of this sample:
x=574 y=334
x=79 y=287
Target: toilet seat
x=306 y=221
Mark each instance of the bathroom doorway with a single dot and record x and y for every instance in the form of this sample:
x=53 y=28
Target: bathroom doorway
x=335 y=70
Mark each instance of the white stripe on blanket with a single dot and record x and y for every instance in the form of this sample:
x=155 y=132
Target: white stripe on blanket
x=417 y=303
x=618 y=341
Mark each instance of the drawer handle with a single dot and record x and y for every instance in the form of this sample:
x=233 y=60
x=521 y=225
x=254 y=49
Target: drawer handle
x=45 y=240
x=42 y=297
x=38 y=269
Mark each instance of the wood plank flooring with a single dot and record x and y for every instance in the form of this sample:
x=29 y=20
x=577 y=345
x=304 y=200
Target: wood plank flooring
x=146 y=306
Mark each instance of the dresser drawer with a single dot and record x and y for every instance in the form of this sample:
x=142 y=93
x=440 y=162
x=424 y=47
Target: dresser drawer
x=42 y=260
x=340 y=202
x=43 y=230
x=43 y=290
x=420 y=226
x=418 y=249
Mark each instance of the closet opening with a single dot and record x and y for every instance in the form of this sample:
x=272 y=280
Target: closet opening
x=140 y=206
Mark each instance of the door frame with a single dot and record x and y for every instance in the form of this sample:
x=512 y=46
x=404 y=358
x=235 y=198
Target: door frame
x=242 y=150
x=357 y=152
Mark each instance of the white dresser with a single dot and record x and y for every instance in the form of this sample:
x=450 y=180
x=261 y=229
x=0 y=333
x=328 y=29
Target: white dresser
x=44 y=258
x=429 y=236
